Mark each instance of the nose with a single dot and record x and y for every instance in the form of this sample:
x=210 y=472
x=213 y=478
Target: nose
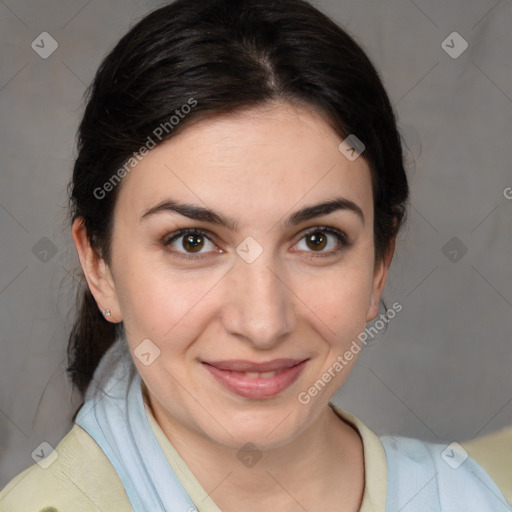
x=259 y=305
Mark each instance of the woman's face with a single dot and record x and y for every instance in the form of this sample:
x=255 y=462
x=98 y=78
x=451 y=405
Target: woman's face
x=252 y=306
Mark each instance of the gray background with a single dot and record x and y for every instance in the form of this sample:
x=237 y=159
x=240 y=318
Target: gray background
x=441 y=371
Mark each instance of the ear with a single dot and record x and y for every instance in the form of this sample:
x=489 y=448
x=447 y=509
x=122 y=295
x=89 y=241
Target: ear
x=97 y=273
x=380 y=277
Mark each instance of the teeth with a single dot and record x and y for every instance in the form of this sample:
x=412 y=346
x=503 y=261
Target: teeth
x=264 y=375
x=267 y=375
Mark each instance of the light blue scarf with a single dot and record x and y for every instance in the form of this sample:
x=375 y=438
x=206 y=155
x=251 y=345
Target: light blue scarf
x=114 y=416
x=424 y=477
x=419 y=480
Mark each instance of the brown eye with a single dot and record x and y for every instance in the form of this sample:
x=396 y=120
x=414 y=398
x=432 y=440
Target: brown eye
x=193 y=243
x=316 y=240
x=189 y=242
x=326 y=241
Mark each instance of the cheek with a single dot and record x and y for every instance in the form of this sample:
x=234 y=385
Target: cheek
x=340 y=298
x=160 y=303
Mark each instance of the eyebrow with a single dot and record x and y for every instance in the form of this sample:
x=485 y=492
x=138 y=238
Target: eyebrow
x=201 y=213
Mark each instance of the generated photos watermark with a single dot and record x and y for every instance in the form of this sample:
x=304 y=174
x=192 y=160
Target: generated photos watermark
x=159 y=134
x=304 y=397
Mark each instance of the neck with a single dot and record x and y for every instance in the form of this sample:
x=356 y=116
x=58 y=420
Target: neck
x=324 y=465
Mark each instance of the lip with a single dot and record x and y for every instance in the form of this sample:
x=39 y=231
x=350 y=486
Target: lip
x=235 y=375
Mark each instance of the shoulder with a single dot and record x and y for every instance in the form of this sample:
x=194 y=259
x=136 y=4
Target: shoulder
x=494 y=453
x=77 y=477
x=430 y=476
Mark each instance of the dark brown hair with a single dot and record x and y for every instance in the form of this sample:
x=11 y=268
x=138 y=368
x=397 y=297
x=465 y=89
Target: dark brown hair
x=226 y=55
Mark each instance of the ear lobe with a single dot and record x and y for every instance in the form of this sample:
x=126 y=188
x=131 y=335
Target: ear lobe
x=96 y=271
x=379 y=281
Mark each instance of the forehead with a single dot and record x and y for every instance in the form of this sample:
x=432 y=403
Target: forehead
x=264 y=161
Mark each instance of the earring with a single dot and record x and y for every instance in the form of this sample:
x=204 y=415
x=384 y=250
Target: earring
x=106 y=312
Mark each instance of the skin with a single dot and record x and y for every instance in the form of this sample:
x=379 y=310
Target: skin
x=256 y=167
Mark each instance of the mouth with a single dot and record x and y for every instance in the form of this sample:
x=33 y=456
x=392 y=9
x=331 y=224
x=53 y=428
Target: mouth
x=256 y=380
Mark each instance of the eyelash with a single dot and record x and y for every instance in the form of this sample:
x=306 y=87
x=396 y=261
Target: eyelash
x=339 y=235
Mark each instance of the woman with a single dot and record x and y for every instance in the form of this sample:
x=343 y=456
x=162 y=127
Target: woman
x=235 y=201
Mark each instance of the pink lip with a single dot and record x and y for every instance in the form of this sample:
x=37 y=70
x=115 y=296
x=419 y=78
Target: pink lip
x=231 y=375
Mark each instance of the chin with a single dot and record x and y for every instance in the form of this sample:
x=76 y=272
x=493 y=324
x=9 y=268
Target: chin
x=266 y=425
